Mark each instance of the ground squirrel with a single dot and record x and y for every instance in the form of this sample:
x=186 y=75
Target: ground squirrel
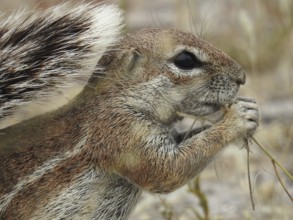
x=92 y=158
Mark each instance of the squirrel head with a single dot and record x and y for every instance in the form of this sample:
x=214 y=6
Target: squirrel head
x=169 y=70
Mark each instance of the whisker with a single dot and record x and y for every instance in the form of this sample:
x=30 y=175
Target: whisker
x=191 y=19
x=204 y=20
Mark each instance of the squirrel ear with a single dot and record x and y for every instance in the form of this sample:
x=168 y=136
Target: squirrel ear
x=133 y=59
x=128 y=59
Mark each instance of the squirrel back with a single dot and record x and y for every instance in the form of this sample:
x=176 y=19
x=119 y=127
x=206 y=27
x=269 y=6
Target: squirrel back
x=41 y=52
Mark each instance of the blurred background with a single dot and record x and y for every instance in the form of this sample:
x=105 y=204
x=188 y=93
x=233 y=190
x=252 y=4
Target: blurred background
x=259 y=35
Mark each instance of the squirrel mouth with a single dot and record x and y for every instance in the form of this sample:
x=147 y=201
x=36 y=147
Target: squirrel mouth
x=210 y=108
x=215 y=106
x=206 y=110
x=200 y=123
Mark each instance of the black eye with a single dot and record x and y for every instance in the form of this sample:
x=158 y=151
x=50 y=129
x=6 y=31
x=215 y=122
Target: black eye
x=187 y=61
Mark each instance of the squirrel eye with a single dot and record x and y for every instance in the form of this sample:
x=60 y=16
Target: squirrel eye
x=187 y=61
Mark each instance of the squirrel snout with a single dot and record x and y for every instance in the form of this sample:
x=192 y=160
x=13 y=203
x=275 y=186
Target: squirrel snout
x=240 y=77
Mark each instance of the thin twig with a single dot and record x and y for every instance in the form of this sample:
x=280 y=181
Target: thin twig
x=280 y=180
x=249 y=181
x=272 y=158
x=189 y=130
x=194 y=117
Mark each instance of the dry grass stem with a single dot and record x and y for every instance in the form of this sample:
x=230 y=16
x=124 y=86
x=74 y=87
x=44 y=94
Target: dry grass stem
x=168 y=213
x=289 y=175
x=194 y=188
x=280 y=180
x=249 y=181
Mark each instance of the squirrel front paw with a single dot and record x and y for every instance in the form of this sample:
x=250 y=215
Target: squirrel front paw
x=243 y=116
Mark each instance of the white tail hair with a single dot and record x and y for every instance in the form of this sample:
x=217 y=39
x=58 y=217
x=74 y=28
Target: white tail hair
x=42 y=51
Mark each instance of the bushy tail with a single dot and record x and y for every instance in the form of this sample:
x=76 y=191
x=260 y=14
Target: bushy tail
x=41 y=51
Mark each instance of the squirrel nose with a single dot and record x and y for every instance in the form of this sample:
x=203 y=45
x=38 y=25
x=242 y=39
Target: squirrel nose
x=240 y=77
